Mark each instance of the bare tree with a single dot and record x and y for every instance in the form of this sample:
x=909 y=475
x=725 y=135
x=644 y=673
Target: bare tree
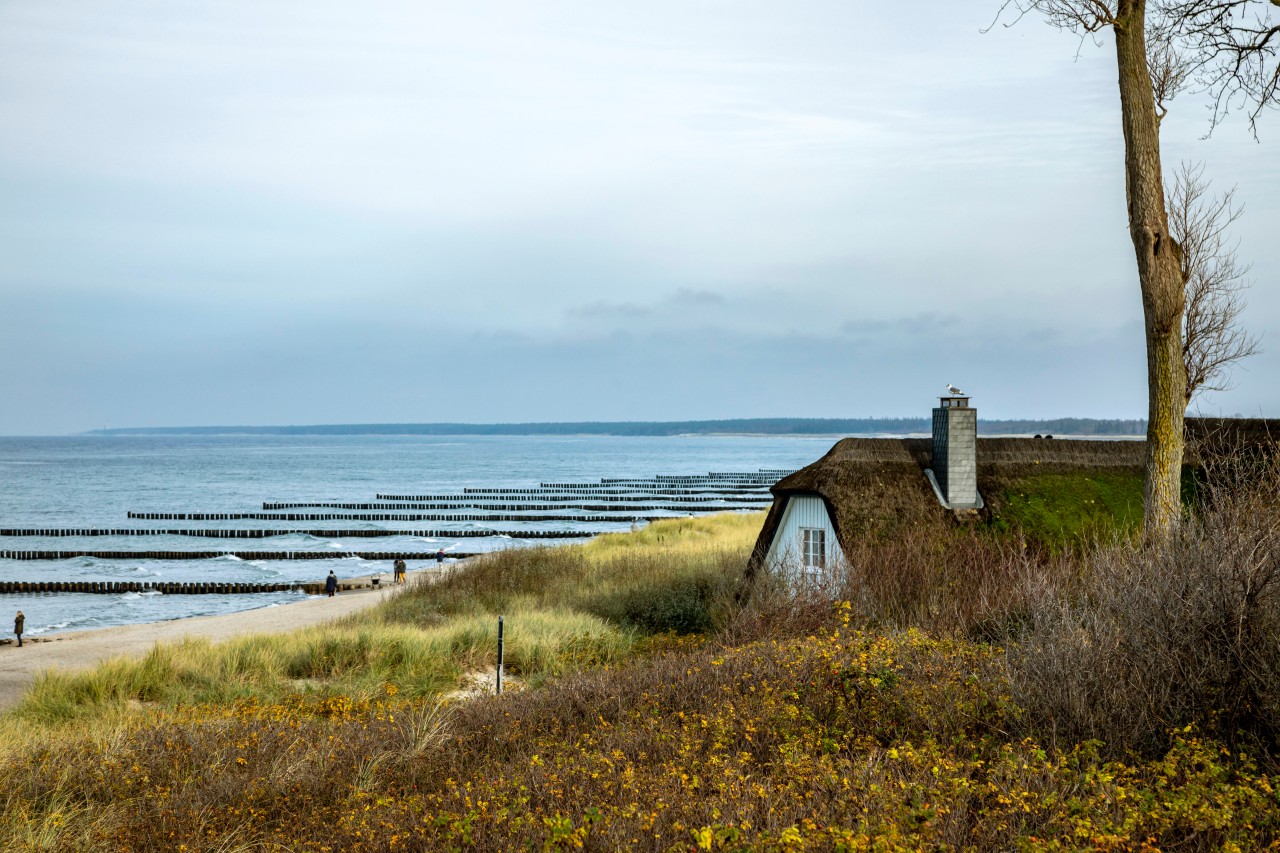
x=1214 y=280
x=1228 y=48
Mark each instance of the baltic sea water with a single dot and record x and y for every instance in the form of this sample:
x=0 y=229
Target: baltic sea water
x=95 y=481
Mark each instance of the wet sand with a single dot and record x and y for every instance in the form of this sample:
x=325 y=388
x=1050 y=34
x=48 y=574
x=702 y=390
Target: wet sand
x=83 y=649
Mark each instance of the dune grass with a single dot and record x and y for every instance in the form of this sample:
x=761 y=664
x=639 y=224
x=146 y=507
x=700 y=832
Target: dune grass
x=674 y=575
x=564 y=608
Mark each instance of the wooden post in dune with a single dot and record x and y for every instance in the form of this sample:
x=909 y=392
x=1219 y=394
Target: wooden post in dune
x=498 y=686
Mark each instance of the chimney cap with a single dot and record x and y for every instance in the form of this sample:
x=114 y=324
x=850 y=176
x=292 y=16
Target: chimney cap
x=954 y=402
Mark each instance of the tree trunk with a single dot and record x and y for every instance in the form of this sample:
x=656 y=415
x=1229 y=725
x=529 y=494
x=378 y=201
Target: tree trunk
x=1159 y=273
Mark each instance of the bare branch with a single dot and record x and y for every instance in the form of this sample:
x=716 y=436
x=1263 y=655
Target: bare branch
x=1171 y=69
x=1079 y=16
x=1213 y=277
x=1233 y=48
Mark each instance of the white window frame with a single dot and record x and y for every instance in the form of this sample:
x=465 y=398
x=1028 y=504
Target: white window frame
x=811 y=557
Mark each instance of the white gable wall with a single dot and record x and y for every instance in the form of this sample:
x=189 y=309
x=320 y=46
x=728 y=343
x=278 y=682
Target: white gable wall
x=786 y=551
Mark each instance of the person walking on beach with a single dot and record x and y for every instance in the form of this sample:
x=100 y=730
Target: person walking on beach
x=331 y=583
x=439 y=556
x=399 y=571
x=18 y=623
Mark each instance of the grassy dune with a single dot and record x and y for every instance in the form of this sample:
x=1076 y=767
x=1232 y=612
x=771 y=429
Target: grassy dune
x=572 y=606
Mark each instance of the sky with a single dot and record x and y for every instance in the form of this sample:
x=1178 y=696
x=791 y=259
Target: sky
x=321 y=212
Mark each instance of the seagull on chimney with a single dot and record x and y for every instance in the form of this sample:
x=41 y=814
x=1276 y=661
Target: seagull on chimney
x=954 y=390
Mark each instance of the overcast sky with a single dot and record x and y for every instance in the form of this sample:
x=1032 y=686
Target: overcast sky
x=323 y=212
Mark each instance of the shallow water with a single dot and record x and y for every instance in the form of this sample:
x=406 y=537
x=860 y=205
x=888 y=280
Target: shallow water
x=95 y=481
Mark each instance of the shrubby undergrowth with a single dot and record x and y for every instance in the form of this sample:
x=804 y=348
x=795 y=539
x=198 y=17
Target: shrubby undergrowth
x=1156 y=637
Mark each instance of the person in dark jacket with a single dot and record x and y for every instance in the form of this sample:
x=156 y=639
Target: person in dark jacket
x=331 y=583
x=18 y=623
x=399 y=570
x=439 y=556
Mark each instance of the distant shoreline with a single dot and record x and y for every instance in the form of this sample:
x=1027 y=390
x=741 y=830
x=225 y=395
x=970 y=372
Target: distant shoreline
x=745 y=427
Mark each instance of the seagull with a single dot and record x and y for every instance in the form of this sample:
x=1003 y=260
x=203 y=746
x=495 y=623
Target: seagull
x=954 y=390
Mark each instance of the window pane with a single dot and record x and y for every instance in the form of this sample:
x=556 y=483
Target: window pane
x=814 y=546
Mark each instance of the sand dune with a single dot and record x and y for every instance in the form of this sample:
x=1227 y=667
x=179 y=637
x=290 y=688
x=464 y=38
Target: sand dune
x=83 y=649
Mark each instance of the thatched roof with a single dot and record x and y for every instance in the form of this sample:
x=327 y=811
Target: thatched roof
x=1227 y=435
x=873 y=486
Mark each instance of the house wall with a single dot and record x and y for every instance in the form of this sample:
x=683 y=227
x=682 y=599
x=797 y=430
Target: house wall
x=802 y=511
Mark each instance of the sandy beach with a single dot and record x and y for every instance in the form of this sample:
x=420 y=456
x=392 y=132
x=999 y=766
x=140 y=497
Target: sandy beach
x=84 y=649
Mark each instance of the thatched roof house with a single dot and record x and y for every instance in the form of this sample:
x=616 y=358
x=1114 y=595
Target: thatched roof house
x=872 y=487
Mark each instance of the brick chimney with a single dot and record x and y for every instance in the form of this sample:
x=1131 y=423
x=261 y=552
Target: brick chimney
x=955 y=453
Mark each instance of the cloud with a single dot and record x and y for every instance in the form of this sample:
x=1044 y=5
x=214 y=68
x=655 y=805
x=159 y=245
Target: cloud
x=669 y=306
x=224 y=212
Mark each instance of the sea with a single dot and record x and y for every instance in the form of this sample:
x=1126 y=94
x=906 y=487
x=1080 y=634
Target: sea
x=94 y=482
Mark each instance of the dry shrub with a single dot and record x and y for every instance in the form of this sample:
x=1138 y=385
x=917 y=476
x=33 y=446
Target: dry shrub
x=777 y=610
x=1182 y=633
x=946 y=581
x=957 y=581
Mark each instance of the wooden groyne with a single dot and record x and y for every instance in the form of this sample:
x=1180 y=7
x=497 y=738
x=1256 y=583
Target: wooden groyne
x=240 y=555
x=606 y=490
x=384 y=516
x=652 y=485
x=165 y=587
x=470 y=500
x=181 y=587
x=326 y=533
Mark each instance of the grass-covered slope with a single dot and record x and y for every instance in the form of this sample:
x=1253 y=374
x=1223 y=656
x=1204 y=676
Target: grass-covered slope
x=571 y=606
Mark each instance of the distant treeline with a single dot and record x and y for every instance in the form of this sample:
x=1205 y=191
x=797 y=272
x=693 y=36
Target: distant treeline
x=743 y=426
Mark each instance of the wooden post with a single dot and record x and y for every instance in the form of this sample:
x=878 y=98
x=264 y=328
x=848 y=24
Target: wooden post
x=498 y=689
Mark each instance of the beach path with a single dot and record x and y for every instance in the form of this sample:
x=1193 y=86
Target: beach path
x=84 y=649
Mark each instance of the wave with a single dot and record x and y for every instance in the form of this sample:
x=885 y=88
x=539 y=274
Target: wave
x=232 y=557
x=56 y=626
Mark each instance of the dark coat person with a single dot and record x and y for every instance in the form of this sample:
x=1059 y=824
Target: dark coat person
x=331 y=584
x=18 y=623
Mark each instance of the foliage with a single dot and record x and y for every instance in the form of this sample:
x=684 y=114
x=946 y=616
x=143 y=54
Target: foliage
x=1155 y=639
x=840 y=740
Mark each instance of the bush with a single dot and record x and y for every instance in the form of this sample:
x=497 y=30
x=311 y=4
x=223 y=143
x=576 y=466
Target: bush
x=1161 y=637
x=684 y=605
x=940 y=580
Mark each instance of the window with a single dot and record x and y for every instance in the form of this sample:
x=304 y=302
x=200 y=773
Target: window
x=813 y=547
